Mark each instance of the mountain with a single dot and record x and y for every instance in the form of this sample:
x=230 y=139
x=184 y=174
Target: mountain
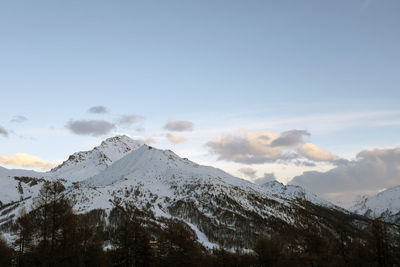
x=221 y=209
x=385 y=205
x=84 y=164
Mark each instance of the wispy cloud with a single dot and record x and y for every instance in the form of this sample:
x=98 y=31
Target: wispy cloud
x=19 y=119
x=322 y=123
x=128 y=120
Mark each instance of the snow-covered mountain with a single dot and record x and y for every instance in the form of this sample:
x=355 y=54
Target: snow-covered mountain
x=385 y=205
x=84 y=164
x=221 y=209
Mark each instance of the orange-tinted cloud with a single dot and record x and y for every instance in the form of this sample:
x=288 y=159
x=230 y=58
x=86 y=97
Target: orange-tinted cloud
x=26 y=160
x=175 y=139
x=314 y=152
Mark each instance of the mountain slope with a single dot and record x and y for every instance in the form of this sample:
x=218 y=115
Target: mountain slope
x=17 y=190
x=13 y=189
x=385 y=204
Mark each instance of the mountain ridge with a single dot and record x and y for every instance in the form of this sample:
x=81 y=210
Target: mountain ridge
x=222 y=209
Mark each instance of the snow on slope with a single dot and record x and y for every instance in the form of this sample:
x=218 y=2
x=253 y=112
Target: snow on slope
x=85 y=164
x=9 y=186
x=293 y=192
x=17 y=190
x=148 y=162
x=385 y=204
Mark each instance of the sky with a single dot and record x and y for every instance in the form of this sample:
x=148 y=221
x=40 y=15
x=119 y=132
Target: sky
x=304 y=92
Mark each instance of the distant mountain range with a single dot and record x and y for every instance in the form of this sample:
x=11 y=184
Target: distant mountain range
x=384 y=205
x=222 y=210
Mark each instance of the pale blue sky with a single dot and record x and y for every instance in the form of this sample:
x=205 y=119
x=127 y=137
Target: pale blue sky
x=329 y=67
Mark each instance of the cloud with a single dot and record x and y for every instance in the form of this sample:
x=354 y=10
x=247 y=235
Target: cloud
x=90 y=127
x=179 y=126
x=314 y=152
x=26 y=160
x=371 y=171
x=98 y=110
x=175 y=139
x=19 y=119
x=268 y=177
x=245 y=147
x=129 y=119
x=290 y=138
x=248 y=172
x=258 y=147
x=149 y=140
x=305 y=163
x=3 y=131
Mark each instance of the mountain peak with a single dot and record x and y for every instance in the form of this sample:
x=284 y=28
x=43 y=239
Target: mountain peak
x=116 y=147
x=85 y=164
x=117 y=140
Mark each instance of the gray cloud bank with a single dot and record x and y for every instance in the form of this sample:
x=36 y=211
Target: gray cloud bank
x=179 y=126
x=90 y=127
x=371 y=171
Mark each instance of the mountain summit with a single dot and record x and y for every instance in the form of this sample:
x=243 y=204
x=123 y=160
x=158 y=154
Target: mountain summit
x=84 y=164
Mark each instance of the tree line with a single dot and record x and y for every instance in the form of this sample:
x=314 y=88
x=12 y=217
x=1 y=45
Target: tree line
x=52 y=234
